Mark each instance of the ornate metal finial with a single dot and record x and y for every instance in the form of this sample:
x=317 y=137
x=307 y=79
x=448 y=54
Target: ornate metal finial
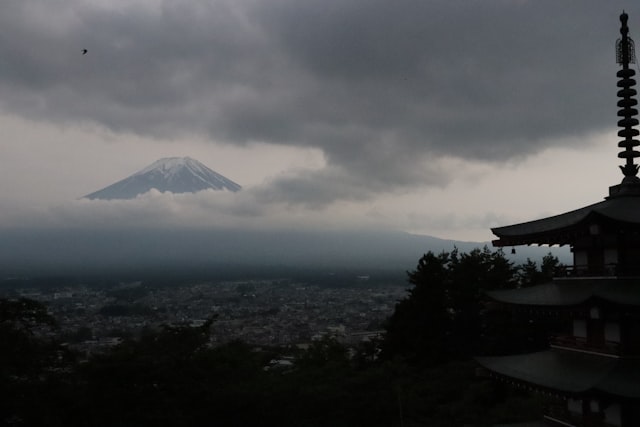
x=625 y=55
x=625 y=48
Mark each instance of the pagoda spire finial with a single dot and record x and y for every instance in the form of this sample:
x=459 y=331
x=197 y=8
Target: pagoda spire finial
x=625 y=55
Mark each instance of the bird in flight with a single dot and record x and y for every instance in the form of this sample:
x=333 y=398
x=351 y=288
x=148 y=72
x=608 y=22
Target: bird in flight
x=84 y=51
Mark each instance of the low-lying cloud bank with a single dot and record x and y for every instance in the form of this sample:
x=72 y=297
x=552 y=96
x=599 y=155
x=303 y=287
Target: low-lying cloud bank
x=204 y=231
x=154 y=251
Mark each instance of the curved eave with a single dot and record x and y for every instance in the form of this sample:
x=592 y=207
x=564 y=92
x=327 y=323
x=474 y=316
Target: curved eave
x=562 y=229
x=557 y=229
x=569 y=292
x=524 y=424
x=570 y=372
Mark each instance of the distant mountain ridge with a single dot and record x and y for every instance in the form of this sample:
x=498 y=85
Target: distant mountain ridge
x=68 y=251
x=173 y=174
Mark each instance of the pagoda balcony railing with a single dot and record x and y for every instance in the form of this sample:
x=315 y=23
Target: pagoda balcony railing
x=578 y=421
x=607 y=270
x=557 y=414
x=608 y=348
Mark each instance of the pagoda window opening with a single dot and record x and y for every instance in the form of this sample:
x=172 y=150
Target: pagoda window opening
x=611 y=260
x=595 y=333
x=580 y=328
x=580 y=262
x=574 y=406
x=602 y=255
x=612 y=332
x=595 y=261
x=613 y=415
x=631 y=261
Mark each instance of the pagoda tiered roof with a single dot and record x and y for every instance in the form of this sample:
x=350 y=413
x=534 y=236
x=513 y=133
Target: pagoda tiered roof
x=525 y=424
x=621 y=207
x=573 y=292
x=570 y=372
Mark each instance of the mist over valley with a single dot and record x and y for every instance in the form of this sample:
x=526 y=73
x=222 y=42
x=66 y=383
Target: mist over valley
x=137 y=251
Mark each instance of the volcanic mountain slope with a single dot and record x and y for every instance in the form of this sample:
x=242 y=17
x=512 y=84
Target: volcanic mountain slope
x=173 y=174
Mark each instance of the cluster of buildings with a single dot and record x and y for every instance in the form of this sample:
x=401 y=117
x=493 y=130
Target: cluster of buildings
x=263 y=313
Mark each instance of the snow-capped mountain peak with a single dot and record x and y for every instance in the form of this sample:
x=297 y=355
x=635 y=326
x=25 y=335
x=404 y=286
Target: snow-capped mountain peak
x=170 y=166
x=173 y=174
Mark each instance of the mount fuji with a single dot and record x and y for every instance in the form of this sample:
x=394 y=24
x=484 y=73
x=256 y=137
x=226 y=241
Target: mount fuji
x=173 y=174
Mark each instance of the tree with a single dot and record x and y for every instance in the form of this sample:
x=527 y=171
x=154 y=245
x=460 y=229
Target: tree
x=31 y=367
x=420 y=324
x=24 y=355
x=440 y=319
x=324 y=352
x=551 y=267
x=529 y=274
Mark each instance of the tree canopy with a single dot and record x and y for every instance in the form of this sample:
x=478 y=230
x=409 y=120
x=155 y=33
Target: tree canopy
x=444 y=317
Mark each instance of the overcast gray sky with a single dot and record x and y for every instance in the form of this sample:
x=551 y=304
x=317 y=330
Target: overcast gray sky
x=435 y=117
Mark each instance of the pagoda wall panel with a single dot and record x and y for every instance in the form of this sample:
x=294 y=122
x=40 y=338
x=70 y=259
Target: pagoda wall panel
x=580 y=328
x=613 y=415
x=612 y=332
x=611 y=256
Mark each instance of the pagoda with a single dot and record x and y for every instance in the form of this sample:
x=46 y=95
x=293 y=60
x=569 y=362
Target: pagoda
x=590 y=373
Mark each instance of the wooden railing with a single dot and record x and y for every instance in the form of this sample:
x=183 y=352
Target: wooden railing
x=578 y=343
x=558 y=415
x=606 y=270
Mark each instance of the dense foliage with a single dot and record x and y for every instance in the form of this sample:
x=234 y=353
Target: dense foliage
x=421 y=373
x=445 y=316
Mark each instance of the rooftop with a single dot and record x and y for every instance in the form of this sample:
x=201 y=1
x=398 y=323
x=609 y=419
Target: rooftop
x=571 y=372
x=571 y=292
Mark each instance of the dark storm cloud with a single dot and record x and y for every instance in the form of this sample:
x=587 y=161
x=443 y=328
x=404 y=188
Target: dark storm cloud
x=384 y=88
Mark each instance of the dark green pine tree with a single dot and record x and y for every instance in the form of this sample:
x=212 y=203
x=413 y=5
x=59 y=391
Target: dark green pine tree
x=31 y=367
x=441 y=318
x=529 y=274
x=421 y=323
